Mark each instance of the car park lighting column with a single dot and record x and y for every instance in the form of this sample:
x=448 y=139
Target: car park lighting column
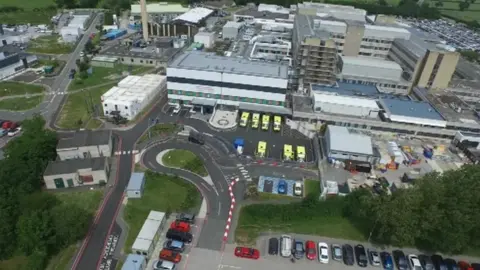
x=232 y=207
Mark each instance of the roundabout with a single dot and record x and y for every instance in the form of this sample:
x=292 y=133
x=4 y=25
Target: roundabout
x=214 y=191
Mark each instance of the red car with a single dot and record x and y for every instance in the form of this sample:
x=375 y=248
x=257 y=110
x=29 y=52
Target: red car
x=181 y=226
x=170 y=255
x=311 y=250
x=246 y=252
x=463 y=265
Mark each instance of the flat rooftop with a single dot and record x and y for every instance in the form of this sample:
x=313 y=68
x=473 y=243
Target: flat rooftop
x=348 y=89
x=370 y=62
x=161 y=54
x=409 y=108
x=268 y=15
x=419 y=42
x=210 y=62
x=195 y=15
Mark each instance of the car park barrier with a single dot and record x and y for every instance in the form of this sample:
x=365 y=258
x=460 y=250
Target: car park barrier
x=232 y=208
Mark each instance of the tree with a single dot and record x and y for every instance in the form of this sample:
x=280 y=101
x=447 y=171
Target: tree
x=65 y=3
x=463 y=5
x=70 y=223
x=37 y=260
x=35 y=231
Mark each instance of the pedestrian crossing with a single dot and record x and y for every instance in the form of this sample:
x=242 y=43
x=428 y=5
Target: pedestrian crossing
x=130 y=152
x=56 y=93
x=244 y=172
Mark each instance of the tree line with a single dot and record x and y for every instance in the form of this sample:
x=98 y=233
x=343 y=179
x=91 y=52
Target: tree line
x=34 y=223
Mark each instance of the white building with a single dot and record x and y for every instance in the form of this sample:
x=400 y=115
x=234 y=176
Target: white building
x=345 y=105
x=337 y=11
x=206 y=38
x=231 y=29
x=198 y=78
x=148 y=236
x=343 y=145
x=75 y=28
x=132 y=95
x=13 y=63
x=85 y=144
x=270 y=48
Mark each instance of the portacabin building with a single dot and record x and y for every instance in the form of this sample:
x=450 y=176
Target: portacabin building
x=205 y=79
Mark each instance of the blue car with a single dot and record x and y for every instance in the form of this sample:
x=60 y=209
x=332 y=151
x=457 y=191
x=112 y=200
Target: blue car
x=387 y=261
x=282 y=187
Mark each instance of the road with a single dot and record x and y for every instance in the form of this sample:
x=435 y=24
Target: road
x=50 y=107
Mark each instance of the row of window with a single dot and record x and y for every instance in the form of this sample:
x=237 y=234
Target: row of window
x=374 y=48
x=226 y=97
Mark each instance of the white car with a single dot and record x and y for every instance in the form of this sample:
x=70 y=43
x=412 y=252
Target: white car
x=176 y=109
x=298 y=189
x=414 y=262
x=14 y=132
x=323 y=252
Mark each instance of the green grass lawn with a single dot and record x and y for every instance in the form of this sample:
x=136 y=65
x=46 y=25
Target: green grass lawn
x=101 y=75
x=266 y=196
x=9 y=88
x=162 y=193
x=75 y=113
x=48 y=44
x=14 y=263
x=21 y=104
x=28 y=4
x=157 y=130
x=312 y=187
x=184 y=159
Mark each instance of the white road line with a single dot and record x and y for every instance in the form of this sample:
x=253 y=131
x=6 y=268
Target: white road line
x=219 y=207
x=244 y=171
x=221 y=266
x=124 y=152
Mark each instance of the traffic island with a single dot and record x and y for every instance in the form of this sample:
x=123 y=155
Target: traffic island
x=186 y=160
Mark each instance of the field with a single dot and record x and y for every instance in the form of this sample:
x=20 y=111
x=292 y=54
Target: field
x=8 y=88
x=48 y=45
x=21 y=103
x=158 y=130
x=162 y=193
x=27 y=4
x=186 y=160
x=34 y=12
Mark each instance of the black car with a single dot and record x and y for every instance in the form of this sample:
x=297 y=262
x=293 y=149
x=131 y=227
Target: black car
x=438 y=262
x=179 y=236
x=273 y=246
x=190 y=218
x=361 y=256
x=426 y=262
x=451 y=264
x=475 y=266
x=298 y=249
x=400 y=260
x=348 y=257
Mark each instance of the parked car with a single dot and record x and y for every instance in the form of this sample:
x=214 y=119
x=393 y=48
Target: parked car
x=426 y=262
x=170 y=255
x=163 y=265
x=475 y=266
x=414 y=262
x=286 y=246
x=348 y=257
x=361 y=256
x=180 y=226
x=179 y=236
x=387 y=260
x=438 y=262
x=14 y=132
x=282 y=187
x=451 y=264
x=246 y=252
x=463 y=265
x=298 y=188
x=8 y=125
x=3 y=132
x=374 y=257
x=337 y=252
x=273 y=246
x=400 y=260
x=323 y=252
x=190 y=218
x=298 y=249
x=311 y=250
x=174 y=245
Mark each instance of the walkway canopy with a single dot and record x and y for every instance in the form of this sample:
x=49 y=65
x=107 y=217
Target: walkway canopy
x=263 y=108
x=204 y=102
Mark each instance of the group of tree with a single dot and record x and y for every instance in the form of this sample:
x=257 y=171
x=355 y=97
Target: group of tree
x=33 y=222
x=439 y=213
x=470 y=55
x=83 y=65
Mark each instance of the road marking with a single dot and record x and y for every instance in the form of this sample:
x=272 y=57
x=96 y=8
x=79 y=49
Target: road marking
x=229 y=266
x=244 y=171
x=219 y=207
x=205 y=186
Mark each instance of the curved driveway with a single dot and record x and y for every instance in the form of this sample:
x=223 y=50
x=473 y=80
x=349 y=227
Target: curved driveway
x=217 y=196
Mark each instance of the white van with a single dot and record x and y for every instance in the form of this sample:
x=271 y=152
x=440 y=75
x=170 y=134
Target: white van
x=286 y=246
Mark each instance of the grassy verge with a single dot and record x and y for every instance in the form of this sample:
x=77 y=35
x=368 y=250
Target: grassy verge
x=27 y=16
x=321 y=218
x=8 y=88
x=21 y=104
x=186 y=160
x=94 y=124
x=312 y=187
x=77 y=111
x=162 y=193
x=49 y=45
x=266 y=196
x=14 y=263
x=157 y=130
x=62 y=259
x=101 y=75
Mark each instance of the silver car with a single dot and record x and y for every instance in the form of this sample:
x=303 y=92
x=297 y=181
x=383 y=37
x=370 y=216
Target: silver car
x=374 y=257
x=337 y=254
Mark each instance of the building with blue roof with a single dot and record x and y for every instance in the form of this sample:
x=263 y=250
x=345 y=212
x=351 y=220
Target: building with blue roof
x=412 y=112
x=353 y=90
x=136 y=185
x=135 y=262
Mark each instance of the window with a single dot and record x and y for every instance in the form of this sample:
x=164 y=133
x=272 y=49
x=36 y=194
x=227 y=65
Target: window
x=141 y=61
x=217 y=96
x=151 y=62
x=131 y=60
x=106 y=112
x=105 y=104
x=126 y=107
x=123 y=59
x=170 y=91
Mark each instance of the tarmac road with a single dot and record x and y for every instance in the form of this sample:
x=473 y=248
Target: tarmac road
x=217 y=196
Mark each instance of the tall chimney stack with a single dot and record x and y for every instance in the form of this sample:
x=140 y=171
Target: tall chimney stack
x=143 y=8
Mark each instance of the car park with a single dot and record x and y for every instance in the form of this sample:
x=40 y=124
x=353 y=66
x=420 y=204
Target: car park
x=361 y=256
x=174 y=245
x=190 y=218
x=414 y=262
x=374 y=258
x=248 y=253
x=311 y=250
x=387 y=260
x=451 y=264
x=180 y=226
x=273 y=246
x=348 y=257
x=400 y=260
x=179 y=236
x=426 y=262
x=163 y=265
x=438 y=262
x=298 y=250
x=282 y=187
x=323 y=252
x=170 y=255
x=337 y=253
x=464 y=266
x=286 y=246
